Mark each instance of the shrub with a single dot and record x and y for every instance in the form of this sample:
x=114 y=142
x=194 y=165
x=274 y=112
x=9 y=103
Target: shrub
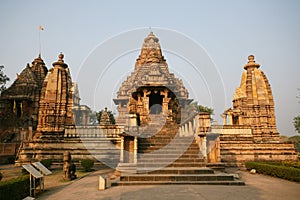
x=1 y=175
x=47 y=163
x=87 y=164
x=11 y=160
x=17 y=188
x=274 y=169
x=24 y=171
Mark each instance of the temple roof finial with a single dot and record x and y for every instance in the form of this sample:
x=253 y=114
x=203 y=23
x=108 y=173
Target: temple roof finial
x=61 y=57
x=60 y=61
x=251 y=62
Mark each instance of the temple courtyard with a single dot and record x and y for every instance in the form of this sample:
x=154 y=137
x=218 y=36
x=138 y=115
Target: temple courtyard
x=257 y=187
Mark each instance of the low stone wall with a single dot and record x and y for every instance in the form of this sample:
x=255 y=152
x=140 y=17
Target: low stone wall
x=231 y=130
x=93 y=131
x=238 y=153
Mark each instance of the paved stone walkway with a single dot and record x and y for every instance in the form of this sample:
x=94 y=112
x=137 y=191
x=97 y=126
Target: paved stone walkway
x=257 y=187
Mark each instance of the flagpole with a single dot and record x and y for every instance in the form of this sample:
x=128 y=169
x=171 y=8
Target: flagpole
x=39 y=42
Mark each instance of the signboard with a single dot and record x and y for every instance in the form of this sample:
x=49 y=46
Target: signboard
x=42 y=168
x=34 y=172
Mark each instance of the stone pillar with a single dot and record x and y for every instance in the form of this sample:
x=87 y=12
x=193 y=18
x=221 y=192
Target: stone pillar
x=146 y=99
x=190 y=126
x=204 y=150
x=241 y=120
x=224 y=119
x=122 y=150
x=230 y=119
x=186 y=130
x=218 y=150
x=135 y=149
x=166 y=100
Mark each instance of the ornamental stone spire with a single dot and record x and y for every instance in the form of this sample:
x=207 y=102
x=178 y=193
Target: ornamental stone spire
x=151 y=88
x=56 y=101
x=253 y=104
x=151 y=51
x=105 y=120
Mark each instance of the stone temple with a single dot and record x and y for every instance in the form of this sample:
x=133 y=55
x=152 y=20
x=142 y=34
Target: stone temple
x=151 y=88
x=156 y=136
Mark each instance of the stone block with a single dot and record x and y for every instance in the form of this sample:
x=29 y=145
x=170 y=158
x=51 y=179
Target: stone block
x=102 y=183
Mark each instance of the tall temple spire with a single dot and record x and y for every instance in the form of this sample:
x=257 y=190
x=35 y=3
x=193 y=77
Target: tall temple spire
x=151 y=51
x=253 y=103
x=56 y=101
x=39 y=69
x=151 y=88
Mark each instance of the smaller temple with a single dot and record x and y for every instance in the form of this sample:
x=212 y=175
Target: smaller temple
x=20 y=102
x=105 y=120
x=253 y=104
x=56 y=101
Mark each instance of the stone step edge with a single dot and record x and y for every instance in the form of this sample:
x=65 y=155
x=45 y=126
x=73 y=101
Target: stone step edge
x=234 y=182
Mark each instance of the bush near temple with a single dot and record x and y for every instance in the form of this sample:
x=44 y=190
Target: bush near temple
x=87 y=164
x=17 y=188
x=1 y=175
x=47 y=163
x=277 y=169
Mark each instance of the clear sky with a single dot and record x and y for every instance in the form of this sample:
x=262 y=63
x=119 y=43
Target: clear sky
x=228 y=31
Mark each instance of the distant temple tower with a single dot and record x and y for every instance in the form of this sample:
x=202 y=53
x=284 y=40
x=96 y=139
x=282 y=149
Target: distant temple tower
x=56 y=101
x=151 y=89
x=253 y=104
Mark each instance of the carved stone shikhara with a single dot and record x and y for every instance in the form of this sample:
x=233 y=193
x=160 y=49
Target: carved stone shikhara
x=151 y=88
x=253 y=104
x=56 y=101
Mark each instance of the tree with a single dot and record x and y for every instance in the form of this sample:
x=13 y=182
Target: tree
x=296 y=141
x=3 y=79
x=195 y=107
x=297 y=123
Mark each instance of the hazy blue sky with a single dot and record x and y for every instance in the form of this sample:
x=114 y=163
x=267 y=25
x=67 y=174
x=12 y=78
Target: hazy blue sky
x=227 y=30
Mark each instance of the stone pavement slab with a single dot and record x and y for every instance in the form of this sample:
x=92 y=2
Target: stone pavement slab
x=257 y=187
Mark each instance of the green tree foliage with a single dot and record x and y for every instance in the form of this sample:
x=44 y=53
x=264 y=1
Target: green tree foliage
x=3 y=79
x=297 y=123
x=274 y=169
x=15 y=189
x=47 y=163
x=87 y=165
x=195 y=107
x=296 y=141
x=93 y=118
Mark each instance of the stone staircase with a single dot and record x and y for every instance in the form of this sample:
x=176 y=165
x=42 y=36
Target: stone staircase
x=166 y=158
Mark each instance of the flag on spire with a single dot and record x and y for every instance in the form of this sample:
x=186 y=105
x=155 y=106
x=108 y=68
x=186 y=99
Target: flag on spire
x=41 y=28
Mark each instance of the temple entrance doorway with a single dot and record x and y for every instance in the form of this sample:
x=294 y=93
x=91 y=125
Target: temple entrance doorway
x=155 y=102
